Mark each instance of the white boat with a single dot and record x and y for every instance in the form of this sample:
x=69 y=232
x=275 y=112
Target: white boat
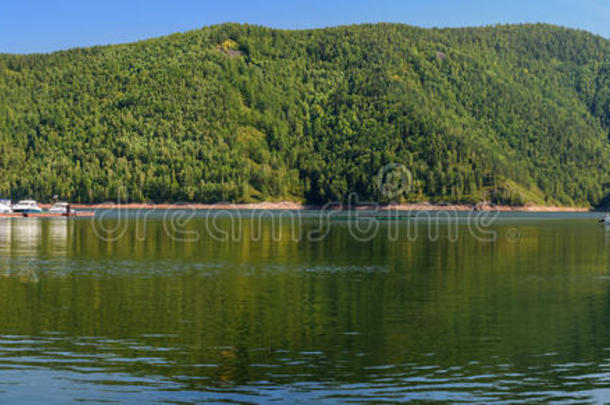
x=27 y=206
x=5 y=207
x=606 y=220
x=59 y=208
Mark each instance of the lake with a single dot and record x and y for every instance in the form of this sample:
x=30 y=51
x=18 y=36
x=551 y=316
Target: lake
x=194 y=306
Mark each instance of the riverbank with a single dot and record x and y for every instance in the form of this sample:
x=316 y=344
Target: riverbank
x=287 y=205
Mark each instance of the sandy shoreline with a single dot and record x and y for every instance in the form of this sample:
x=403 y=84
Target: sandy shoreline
x=298 y=207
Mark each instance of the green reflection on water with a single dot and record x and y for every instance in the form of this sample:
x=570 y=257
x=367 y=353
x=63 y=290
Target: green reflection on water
x=511 y=319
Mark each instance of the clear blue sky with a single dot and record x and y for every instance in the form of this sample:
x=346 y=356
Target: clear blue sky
x=46 y=25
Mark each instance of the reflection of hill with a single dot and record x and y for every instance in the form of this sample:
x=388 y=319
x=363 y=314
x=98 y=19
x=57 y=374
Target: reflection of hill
x=273 y=310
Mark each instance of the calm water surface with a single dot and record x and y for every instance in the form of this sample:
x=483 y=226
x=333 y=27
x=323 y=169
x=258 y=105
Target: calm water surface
x=168 y=311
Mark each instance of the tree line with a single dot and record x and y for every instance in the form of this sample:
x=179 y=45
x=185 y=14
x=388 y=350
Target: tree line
x=509 y=114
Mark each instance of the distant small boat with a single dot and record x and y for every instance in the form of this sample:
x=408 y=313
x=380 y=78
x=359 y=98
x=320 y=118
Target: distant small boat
x=5 y=206
x=27 y=206
x=59 y=208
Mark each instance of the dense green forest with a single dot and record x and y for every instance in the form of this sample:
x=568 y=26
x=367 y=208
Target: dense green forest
x=510 y=114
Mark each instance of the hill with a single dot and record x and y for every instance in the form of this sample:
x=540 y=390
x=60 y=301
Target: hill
x=512 y=114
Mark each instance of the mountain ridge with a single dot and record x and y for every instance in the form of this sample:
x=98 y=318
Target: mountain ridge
x=512 y=114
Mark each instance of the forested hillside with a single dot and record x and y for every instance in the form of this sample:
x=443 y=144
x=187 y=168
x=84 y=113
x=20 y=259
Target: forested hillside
x=514 y=114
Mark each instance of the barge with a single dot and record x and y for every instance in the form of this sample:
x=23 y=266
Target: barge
x=31 y=209
x=72 y=214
